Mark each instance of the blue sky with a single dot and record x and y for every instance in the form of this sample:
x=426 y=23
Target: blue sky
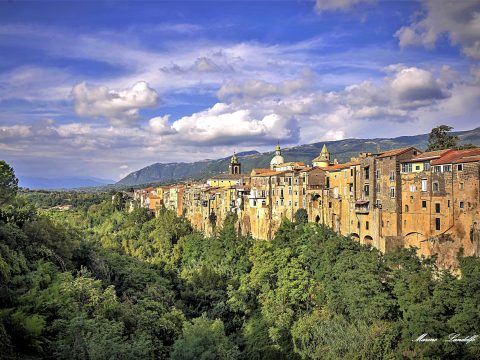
x=104 y=88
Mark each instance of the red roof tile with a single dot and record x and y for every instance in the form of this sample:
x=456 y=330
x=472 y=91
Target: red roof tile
x=395 y=152
x=458 y=156
x=429 y=155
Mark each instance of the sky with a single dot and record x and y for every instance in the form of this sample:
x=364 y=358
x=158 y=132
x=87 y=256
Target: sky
x=105 y=88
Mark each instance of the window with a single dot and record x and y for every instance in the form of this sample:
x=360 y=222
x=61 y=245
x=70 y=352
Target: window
x=448 y=203
x=459 y=167
x=407 y=168
x=424 y=204
x=366 y=225
x=281 y=202
x=351 y=172
x=392 y=175
x=289 y=191
x=335 y=192
x=462 y=205
x=437 y=224
x=435 y=186
x=412 y=188
x=345 y=172
x=437 y=208
x=281 y=194
x=406 y=208
x=377 y=174
x=447 y=168
x=417 y=167
x=437 y=169
x=461 y=185
x=367 y=172
x=392 y=192
x=377 y=187
x=358 y=224
x=289 y=202
x=303 y=191
x=366 y=190
x=426 y=165
x=330 y=204
x=424 y=184
x=296 y=203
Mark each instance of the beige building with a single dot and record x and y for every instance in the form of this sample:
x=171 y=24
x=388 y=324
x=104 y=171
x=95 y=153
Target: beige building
x=396 y=198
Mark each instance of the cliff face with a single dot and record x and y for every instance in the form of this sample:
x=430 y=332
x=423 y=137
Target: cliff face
x=342 y=150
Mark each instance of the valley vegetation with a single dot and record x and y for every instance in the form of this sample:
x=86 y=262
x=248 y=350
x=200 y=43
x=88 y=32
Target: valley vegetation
x=98 y=282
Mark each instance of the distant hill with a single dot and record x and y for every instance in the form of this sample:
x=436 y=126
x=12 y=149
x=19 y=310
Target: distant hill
x=32 y=182
x=342 y=150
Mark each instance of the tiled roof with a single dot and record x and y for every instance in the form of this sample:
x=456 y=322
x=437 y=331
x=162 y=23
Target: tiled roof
x=458 y=156
x=395 y=152
x=429 y=155
x=271 y=173
x=300 y=163
x=261 y=170
x=339 y=166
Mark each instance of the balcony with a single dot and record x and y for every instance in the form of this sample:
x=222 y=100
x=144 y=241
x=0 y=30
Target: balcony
x=361 y=207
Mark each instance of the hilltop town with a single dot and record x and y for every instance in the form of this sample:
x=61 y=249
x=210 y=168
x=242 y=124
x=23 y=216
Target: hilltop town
x=398 y=198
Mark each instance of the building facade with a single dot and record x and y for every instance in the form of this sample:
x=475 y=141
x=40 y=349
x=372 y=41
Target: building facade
x=396 y=198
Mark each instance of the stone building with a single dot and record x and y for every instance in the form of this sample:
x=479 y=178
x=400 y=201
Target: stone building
x=396 y=198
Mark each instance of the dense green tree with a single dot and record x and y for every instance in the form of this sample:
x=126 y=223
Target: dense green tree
x=204 y=339
x=8 y=183
x=440 y=139
x=301 y=216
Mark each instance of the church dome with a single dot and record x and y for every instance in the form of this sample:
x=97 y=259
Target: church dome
x=277 y=159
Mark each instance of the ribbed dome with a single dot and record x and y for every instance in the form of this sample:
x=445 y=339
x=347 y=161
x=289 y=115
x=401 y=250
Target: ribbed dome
x=276 y=160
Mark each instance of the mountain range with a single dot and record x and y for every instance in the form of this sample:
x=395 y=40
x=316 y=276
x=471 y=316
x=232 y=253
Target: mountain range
x=71 y=182
x=342 y=150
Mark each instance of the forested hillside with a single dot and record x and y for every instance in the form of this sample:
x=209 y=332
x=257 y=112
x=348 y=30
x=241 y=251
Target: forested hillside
x=97 y=282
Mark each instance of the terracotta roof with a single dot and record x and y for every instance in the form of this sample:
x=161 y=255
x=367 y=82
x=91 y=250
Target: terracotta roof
x=271 y=173
x=395 y=152
x=300 y=163
x=261 y=170
x=339 y=166
x=429 y=155
x=458 y=156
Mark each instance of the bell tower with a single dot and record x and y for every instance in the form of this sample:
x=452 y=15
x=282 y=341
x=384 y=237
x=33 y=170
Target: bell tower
x=322 y=160
x=234 y=167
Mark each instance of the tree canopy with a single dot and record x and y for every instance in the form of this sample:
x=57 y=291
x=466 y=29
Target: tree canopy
x=104 y=283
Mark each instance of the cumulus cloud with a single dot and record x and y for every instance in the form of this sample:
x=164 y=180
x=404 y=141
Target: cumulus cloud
x=159 y=125
x=333 y=5
x=224 y=124
x=414 y=84
x=119 y=107
x=460 y=20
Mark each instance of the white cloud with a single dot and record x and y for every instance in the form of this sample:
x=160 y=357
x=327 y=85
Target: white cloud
x=460 y=20
x=226 y=124
x=332 y=5
x=414 y=84
x=159 y=125
x=119 y=107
